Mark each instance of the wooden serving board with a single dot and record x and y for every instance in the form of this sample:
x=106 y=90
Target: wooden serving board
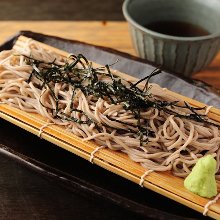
x=162 y=182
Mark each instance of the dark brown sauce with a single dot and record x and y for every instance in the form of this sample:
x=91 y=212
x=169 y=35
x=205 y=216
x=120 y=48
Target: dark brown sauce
x=177 y=28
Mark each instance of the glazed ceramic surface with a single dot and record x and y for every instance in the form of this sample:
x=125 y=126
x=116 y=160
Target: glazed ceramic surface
x=183 y=55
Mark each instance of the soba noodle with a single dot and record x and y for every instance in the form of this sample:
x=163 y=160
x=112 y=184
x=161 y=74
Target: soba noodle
x=177 y=142
x=209 y=203
x=146 y=173
x=93 y=153
x=42 y=128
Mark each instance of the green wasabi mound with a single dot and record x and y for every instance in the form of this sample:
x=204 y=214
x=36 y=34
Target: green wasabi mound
x=201 y=180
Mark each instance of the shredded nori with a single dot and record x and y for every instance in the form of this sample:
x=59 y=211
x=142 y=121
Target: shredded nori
x=80 y=74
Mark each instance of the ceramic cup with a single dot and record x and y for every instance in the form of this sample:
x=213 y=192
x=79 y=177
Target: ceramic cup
x=182 y=55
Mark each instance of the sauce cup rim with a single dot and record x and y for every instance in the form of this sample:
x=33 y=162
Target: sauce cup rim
x=129 y=18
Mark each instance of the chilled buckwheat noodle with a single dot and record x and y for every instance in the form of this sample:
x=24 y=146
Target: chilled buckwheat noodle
x=146 y=173
x=209 y=203
x=41 y=130
x=93 y=153
x=175 y=143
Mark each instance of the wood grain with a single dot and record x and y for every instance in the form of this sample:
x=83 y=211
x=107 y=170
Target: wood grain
x=109 y=34
x=163 y=182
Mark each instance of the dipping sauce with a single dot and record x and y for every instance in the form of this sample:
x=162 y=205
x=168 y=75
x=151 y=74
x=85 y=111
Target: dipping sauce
x=177 y=28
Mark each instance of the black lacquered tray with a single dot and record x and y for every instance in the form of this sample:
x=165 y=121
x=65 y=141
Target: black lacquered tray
x=41 y=181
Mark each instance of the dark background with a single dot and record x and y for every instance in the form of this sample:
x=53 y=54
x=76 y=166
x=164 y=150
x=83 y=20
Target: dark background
x=61 y=10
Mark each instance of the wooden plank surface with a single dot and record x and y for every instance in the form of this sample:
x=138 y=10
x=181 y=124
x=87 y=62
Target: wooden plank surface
x=110 y=34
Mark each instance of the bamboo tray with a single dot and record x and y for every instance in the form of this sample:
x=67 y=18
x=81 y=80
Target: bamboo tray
x=116 y=162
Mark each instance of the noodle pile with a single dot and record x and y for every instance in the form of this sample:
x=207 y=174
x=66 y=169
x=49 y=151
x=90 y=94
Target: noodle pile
x=173 y=143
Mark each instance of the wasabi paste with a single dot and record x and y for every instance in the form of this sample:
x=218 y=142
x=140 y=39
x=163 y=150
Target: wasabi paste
x=201 y=180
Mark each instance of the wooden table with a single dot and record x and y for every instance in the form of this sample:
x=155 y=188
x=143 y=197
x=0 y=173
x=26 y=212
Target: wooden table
x=109 y=34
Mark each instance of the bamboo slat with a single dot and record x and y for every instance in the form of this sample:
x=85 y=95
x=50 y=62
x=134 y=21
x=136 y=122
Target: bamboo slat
x=162 y=182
